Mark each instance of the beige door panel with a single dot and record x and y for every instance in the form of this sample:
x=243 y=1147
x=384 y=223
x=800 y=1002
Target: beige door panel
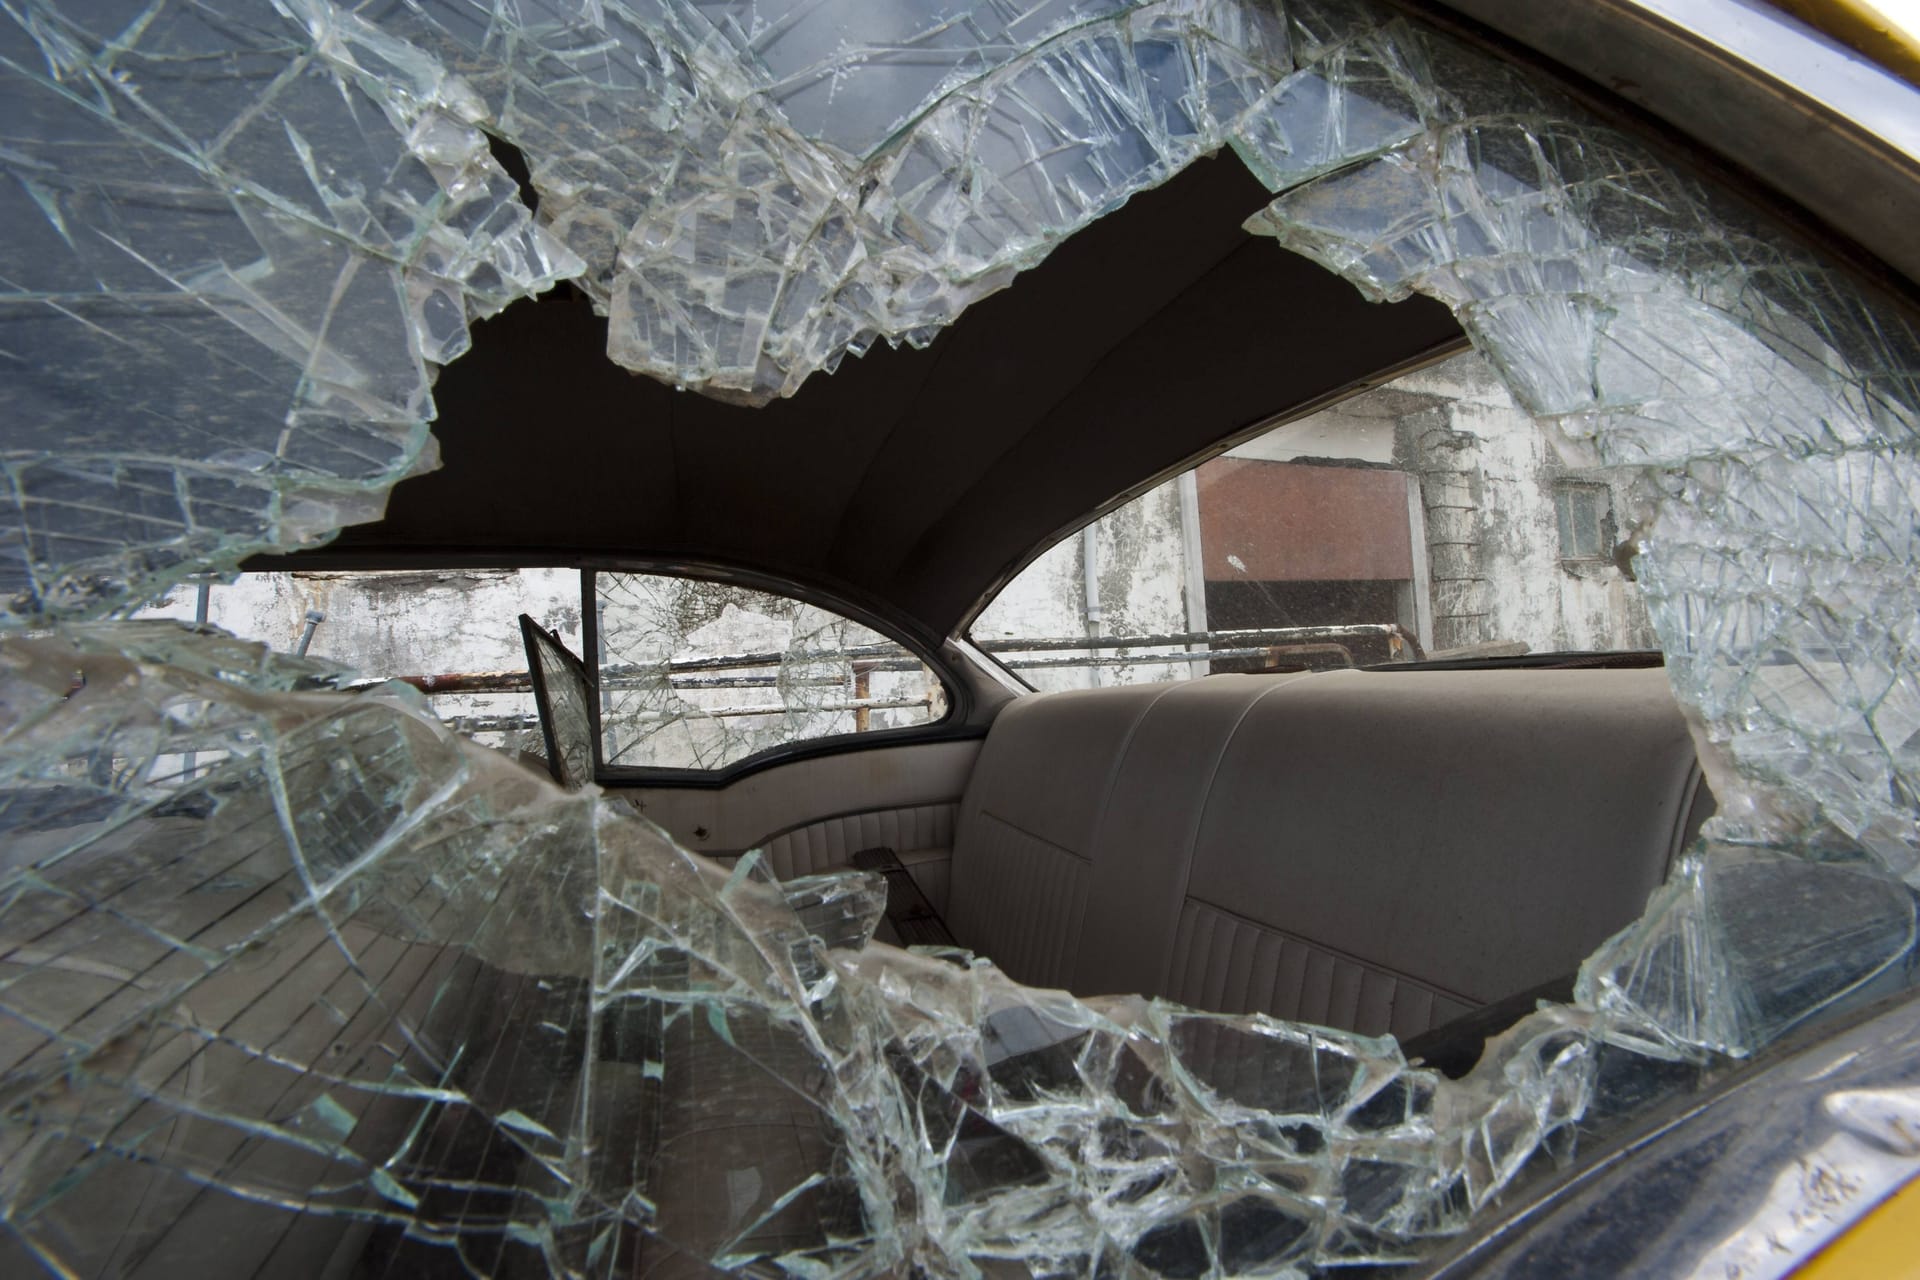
x=807 y=810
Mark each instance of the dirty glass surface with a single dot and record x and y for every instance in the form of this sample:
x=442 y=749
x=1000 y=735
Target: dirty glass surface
x=1427 y=518
x=696 y=674
x=353 y=987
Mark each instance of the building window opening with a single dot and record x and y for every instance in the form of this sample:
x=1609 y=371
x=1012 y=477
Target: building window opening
x=1585 y=516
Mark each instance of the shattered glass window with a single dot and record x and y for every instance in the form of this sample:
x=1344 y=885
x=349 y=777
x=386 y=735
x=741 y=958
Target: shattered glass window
x=294 y=978
x=1427 y=518
x=697 y=674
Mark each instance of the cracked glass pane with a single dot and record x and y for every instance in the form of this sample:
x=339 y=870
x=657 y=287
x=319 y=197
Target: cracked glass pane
x=254 y=236
x=700 y=675
x=759 y=189
x=291 y=975
x=1768 y=401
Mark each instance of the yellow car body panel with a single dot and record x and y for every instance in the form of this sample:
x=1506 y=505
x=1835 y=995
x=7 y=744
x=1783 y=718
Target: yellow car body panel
x=1884 y=1245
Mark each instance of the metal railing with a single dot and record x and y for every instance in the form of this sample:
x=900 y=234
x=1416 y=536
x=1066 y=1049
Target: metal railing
x=1272 y=646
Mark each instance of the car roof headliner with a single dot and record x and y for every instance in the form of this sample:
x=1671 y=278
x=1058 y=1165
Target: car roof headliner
x=910 y=482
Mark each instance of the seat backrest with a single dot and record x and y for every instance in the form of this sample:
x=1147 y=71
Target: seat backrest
x=1028 y=822
x=1373 y=850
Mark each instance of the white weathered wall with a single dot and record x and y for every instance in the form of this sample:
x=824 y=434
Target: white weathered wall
x=1141 y=571
x=464 y=621
x=1503 y=524
x=403 y=624
x=391 y=624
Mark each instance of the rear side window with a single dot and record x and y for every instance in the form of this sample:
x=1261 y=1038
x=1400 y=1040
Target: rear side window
x=1427 y=518
x=687 y=673
x=695 y=674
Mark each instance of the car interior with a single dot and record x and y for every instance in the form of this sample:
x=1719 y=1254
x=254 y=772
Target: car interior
x=1382 y=850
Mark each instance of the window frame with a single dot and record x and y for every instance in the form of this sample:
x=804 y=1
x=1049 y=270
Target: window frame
x=1608 y=525
x=963 y=720
x=1253 y=430
x=956 y=724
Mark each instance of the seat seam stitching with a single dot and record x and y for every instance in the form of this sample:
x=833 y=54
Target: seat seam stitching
x=1037 y=839
x=1100 y=814
x=1396 y=974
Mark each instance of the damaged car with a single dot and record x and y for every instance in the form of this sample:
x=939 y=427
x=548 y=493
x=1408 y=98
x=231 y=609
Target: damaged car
x=1153 y=638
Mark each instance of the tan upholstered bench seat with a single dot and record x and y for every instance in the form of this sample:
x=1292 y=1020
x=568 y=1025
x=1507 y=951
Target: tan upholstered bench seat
x=1373 y=850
